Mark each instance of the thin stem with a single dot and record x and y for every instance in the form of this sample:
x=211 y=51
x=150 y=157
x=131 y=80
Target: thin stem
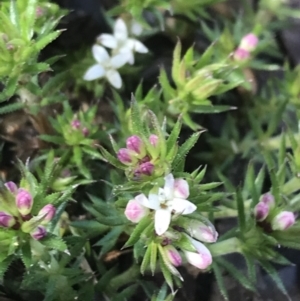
x=228 y=246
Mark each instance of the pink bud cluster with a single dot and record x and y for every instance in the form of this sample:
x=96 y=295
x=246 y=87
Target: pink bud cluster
x=135 y=155
x=264 y=214
x=247 y=45
x=23 y=204
x=201 y=258
x=76 y=125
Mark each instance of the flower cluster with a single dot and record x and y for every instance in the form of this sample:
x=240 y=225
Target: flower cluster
x=268 y=216
x=77 y=126
x=122 y=51
x=19 y=217
x=136 y=156
x=166 y=205
x=247 y=45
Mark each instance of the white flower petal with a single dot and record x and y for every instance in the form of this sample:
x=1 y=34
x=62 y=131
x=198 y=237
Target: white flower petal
x=108 y=40
x=181 y=206
x=136 y=28
x=119 y=60
x=120 y=30
x=181 y=189
x=154 y=202
x=162 y=221
x=128 y=45
x=100 y=54
x=114 y=78
x=94 y=72
x=140 y=47
x=169 y=186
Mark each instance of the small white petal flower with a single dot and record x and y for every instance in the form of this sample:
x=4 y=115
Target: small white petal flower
x=168 y=201
x=121 y=43
x=106 y=66
x=136 y=28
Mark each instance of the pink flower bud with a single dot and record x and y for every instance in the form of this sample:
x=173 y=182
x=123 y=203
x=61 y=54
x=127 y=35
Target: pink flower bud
x=85 y=132
x=39 y=233
x=11 y=186
x=6 y=220
x=173 y=255
x=201 y=231
x=39 y=12
x=261 y=211
x=283 y=220
x=126 y=156
x=49 y=212
x=146 y=168
x=75 y=124
x=24 y=201
x=136 y=144
x=268 y=199
x=181 y=189
x=153 y=139
x=200 y=259
x=241 y=54
x=249 y=42
x=135 y=211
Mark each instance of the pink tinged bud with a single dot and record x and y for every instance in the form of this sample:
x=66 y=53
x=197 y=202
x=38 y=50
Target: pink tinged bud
x=75 y=124
x=11 y=186
x=85 y=132
x=135 y=143
x=135 y=211
x=249 y=42
x=283 y=220
x=39 y=233
x=146 y=168
x=49 y=212
x=6 y=220
x=241 y=54
x=200 y=259
x=181 y=189
x=203 y=232
x=261 y=211
x=173 y=255
x=125 y=156
x=39 y=12
x=24 y=201
x=153 y=139
x=268 y=199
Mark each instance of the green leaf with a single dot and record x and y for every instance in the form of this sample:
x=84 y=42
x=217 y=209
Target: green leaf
x=241 y=210
x=166 y=273
x=26 y=254
x=274 y=275
x=236 y=274
x=137 y=232
x=54 y=242
x=153 y=257
x=44 y=41
x=172 y=140
x=146 y=260
x=220 y=281
x=185 y=148
x=53 y=139
x=11 y=107
x=111 y=159
x=176 y=63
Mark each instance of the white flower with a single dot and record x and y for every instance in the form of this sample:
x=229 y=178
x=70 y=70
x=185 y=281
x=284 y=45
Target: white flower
x=121 y=43
x=170 y=199
x=106 y=66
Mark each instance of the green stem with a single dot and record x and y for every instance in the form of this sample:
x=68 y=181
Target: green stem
x=230 y=245
x=128 y=276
